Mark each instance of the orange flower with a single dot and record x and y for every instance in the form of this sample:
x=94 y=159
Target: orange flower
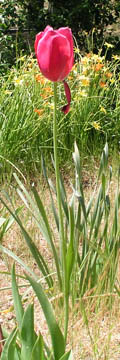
x=70 y=77
x=98 y=67
x=39 y=78
x=39 y=111
x=44 y=96
x=108 y=75
x=48 y=90
x=89 y=55
x=102 y=84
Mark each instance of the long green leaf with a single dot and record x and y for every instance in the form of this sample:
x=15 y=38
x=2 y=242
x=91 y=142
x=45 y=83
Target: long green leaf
x=70 y=252
x=67 y=356
x=96 y=209
x=57 y=338
x=12 y=336
x=33 y=248
x=38 y=349
x=17 y=300
x=18 y=260
x=28 y=336
x=104 y=160
x=42 y=222
x=7 y=223
x=64 y=198
x=13 y=350
x=45 y=219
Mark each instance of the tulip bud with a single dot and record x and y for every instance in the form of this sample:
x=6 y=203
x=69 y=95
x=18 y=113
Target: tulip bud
x=54 y=52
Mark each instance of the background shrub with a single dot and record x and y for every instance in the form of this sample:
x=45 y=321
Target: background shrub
x=20 y=21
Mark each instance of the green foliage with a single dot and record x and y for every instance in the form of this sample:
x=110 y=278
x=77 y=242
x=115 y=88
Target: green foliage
x=12 y=22
x=85 y=16
x=87 y=220
x=6 y=222
x=26 y=104
x=91 y=237
x=35 y=13
x=81 y=16
x=23 y=342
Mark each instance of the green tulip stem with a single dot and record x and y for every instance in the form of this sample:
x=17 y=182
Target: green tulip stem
x=61 y=224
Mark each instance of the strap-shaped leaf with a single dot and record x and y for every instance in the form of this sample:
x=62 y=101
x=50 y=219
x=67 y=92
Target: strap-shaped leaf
x=41 y=218
x=33 y=248
x=13 y=350
x=17 y=300
x=28 y=336
x=82 y=203
x=67 y=356
x=38 y=349
x=57 y=338
x=7 y=223
x=96 y=209
x=10 y=339
x=45 y=219
x=104 y=160
x=70 y=251
x=18 y=260
x=63 y=198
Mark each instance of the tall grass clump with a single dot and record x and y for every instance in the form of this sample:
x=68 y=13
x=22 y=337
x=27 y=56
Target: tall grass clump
x=26 y=101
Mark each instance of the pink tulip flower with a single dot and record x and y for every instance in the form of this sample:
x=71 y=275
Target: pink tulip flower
x=54 y=52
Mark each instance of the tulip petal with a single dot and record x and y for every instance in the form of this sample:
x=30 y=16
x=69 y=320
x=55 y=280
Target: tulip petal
x=66 y=107
x=65 y=31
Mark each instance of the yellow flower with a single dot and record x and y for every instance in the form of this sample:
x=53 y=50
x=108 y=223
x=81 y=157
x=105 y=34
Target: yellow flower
x=109 y=46
x=116 y=57
x=22 y=58
x=30 y=65
x=76 y=50
x=112 y=81
x=51 y=106
x=85 y=60
x=97 y=58
x=102 y=109
x=96 y=125
x=84 y=80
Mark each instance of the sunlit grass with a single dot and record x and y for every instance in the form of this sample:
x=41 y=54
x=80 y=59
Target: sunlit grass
x=26 y=111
